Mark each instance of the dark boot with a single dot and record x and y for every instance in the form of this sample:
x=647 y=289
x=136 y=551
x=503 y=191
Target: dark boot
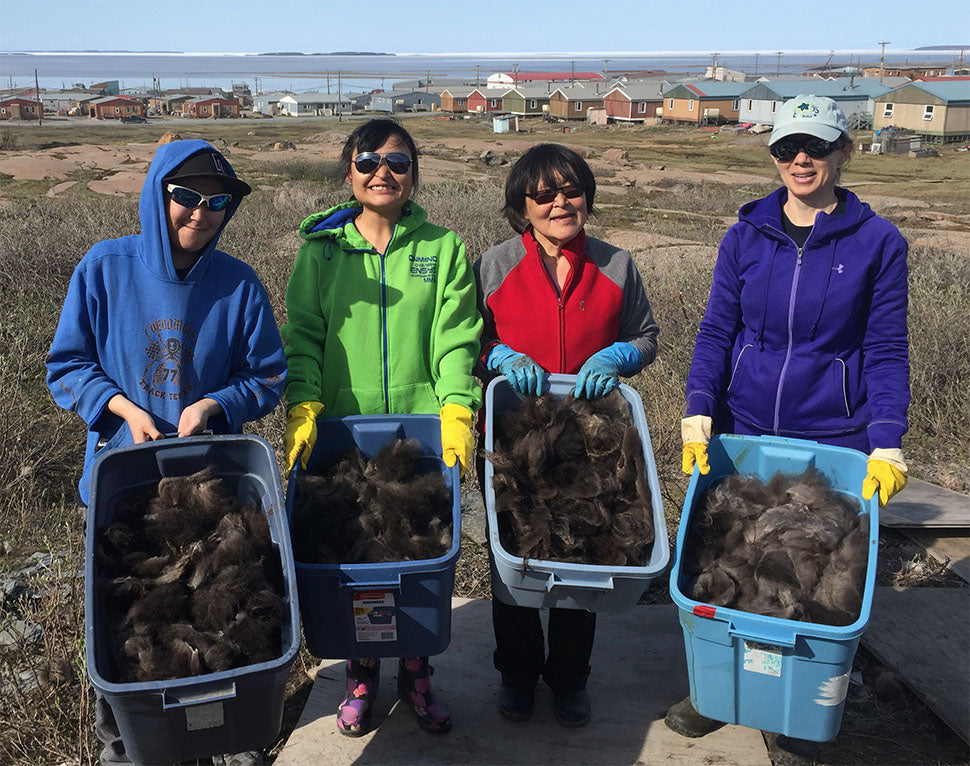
x=363 y=681
x=788 y=751
x=687 y=722
x=414 y=688
x=516 y=701
x=572 y=707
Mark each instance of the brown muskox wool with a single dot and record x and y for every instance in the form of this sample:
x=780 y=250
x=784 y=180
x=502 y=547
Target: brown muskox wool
x=358 y=511
x=791 y=548
x=190 y=581
x=570 y=482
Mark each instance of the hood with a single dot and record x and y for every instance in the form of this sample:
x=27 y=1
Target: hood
x=154 y=246
x=332 y=224
x=765 y=214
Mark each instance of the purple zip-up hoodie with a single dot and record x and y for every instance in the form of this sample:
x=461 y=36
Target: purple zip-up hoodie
x=811 y=343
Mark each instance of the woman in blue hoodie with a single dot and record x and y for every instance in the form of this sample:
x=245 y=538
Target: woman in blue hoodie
x=805 y=329
x=161 y=333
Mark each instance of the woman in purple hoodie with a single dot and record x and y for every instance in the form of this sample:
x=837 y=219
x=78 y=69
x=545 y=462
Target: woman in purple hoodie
x=804 y=334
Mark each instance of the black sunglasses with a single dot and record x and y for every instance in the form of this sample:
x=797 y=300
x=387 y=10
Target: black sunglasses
x=192 y=199
x=368 y=162
x=787 y=149
x=545 y=196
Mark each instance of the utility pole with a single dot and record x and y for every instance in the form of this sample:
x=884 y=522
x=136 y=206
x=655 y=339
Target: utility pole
x=756 y=63
x=40 y=117
x=340 y=106
x=328 y=82
x=515 y=75
x=572 y=75
x=714 y=65
x=778 y=65
x=606 y=71
x=477 y=79
x=882 y=59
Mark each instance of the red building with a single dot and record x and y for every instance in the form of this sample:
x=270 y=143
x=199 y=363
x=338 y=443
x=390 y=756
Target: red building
x=20 y=109
x=210 y=106
x=114 y=108
x=486 y=100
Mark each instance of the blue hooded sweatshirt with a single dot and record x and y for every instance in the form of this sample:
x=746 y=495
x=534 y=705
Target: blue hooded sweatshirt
x=807 y=342
x=130 y=326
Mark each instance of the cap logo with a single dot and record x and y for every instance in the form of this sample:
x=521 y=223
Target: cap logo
x=805 y=110
x=217 y=163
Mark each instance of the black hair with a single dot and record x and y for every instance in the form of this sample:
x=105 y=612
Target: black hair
x=545 y=163
x=370 y=136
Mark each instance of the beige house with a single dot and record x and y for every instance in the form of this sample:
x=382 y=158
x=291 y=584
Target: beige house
x=938 y=111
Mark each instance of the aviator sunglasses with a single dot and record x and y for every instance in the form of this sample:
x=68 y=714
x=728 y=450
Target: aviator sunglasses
x=544 y=197
x=787 y=149
x=192 y=199
x=368 y=162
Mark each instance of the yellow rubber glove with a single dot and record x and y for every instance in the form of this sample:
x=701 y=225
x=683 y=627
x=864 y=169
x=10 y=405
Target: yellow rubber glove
x=457 y=438
x=695 y=431
x=301 y=432
x=886 y=472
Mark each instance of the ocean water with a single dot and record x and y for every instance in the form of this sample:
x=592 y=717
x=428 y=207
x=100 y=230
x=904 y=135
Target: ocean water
x=366 y=72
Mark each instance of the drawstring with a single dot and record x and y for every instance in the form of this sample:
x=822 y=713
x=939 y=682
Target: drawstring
x=764 y=298
x=825 y=289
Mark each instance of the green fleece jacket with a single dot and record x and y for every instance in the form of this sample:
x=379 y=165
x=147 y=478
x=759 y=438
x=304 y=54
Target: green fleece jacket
x=371 y=333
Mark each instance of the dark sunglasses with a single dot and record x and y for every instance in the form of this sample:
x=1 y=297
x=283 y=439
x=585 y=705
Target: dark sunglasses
x=788 y=148
x=544 y=197
x=368 y=162
x=191 y=198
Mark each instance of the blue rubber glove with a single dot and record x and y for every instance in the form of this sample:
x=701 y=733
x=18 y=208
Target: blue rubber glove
x=600 y=374
x=524 y=375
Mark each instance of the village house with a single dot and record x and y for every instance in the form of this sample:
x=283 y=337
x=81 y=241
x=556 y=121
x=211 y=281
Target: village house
x=485 y=100
x=171 y=104
x=574 y=101
x=635 y=101
x=912 y=71
x=313 y=105
x=114 y=108
x=210 y=106
x=455 y=98
x=939 y=112
x=513 y=79
x=60 y=101
x=19 y=108
x=704 y=103
x=268 y=103
x=527 y=100
x=854 y=95
x=413 y=101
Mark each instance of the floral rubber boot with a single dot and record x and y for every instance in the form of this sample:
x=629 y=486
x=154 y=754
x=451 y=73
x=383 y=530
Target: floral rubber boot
x=363 y=681
x=414 y=688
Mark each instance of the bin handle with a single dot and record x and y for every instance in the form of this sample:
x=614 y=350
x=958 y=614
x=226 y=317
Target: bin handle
x=375 y=584
x=556 y=581
x=765 y=635
x=171 y=698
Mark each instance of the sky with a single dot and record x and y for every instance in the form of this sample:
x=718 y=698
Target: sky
x=447 y=26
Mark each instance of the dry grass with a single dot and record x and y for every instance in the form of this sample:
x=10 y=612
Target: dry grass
x=41 y=447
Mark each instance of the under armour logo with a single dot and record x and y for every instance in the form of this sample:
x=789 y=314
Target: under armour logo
x=838 y=269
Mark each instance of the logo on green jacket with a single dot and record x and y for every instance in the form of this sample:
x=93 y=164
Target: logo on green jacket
x=424 y=267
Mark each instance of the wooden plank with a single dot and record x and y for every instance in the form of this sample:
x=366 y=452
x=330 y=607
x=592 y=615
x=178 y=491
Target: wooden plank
x=952 y=544
x=922 y=634
x=923 y=504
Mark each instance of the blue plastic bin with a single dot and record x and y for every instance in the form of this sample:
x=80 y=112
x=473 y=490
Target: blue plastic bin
x=388 y=609
x=539 y=583
x=785 y=676
x=227 y=712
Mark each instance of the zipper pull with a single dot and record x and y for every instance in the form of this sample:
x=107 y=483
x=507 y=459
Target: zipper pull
x=799 y=261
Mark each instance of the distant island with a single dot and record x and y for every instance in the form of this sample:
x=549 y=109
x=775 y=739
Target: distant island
x=331 y=53
x=942 y=48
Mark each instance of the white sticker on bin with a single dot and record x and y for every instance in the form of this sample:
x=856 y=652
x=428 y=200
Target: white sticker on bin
x=207 y=716
x=833 y=691
x=762 y=658
x=375 y=617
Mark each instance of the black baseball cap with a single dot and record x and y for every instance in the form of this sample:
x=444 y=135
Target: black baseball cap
x=209 y=164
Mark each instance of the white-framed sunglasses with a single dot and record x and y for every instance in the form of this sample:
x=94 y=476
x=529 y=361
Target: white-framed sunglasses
x=192 y=199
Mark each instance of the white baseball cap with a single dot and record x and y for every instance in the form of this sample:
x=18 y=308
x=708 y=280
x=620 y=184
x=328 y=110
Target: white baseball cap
x=817 y=116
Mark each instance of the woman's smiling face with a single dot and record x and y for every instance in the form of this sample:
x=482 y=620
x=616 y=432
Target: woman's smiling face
x=382 y=190
x=556 y=222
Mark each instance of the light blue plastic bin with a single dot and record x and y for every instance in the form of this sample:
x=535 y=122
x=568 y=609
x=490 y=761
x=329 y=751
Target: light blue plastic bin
x=538 y=583
x=784 y=676
x=388 y=609
x=187 y=718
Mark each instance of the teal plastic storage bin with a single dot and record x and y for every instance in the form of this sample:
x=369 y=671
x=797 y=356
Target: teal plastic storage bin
x=389 y=609
x=226 y=712
x=785 y=676
x=595 y=588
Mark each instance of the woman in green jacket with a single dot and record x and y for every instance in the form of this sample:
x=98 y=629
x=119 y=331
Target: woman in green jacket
x=382 y=319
